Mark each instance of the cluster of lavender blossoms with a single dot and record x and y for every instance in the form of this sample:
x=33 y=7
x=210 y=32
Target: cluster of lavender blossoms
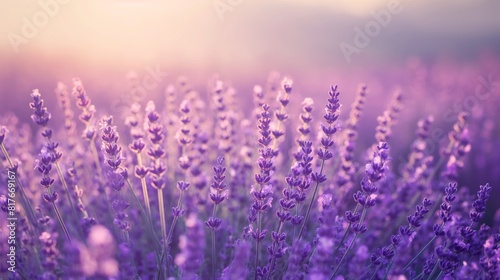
x=206 y=188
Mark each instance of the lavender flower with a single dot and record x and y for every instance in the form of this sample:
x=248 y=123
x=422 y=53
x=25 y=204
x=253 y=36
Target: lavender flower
x=490 y=266
x=391 y=231
x=223 y=127
x=281 y=115
x=303 y=155
x=112 y=153
x=278 y=248
x=457 y=148
x=387 y=254
x=347 y=169
x=388 y=118
x=480 y=203
x=217 y=195
x=157 y=169
x=332 y=114
x=258 y=99
x=365 y=199
x=137 y=146
x=49 y=155
x=262 y=193
x=69 y=123
x=305 y=165
x=88 y=110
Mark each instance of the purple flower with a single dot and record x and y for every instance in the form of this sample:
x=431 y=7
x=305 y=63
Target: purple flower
x=262 y=193
x=332 y=113
x=40 y=116
x=346 y=171
x=88 y=109
x=388 y=119
x=112 y=153
x=376 y=167
x=479 y=204
x=156 y=152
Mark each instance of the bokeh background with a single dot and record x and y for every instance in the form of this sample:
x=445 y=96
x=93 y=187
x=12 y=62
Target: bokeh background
x=434 y=51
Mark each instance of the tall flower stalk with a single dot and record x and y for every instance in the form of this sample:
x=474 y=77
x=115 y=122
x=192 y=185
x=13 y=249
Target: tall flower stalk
x=117 y=176
x=277 y=249
x=365 y=199
x=217 y=195
x=184 y=139
x=137 y=146
x=281 y=115
x=49 y=156
x=87 y=118
x=332 y=114
x=262 y=192
x=157 y=169
x=347 y=168
x=304 y=160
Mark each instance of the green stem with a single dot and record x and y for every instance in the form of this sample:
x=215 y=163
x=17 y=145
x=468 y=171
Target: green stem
x=144 y=187
x=213 y=255
x=434 y=269
x=363 y=214
x=345 y=233
x=420 y=275
x=344 y=256
x=63 y=182
x=306 y=217
x=389 y=266
x=420 y=252
x=101 y=179
x=214 y=212
x=59 y=218
x=375 y=272
x=161 y=209
x=30 y=213
x=144 y=214
x=257 y=243
x=127 y=239
x=171 y=231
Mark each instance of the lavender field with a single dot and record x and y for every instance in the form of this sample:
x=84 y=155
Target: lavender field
x=188 y=157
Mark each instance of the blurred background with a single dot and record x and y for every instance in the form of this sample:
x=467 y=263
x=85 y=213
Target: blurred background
x=242 y=40
x=434 y=51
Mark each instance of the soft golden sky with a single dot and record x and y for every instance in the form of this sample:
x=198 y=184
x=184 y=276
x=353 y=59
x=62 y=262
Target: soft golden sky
x=241 y=37
x=194 y=31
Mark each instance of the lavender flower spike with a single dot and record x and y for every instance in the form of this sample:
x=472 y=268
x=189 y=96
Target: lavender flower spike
x=49 y=155
x=262 y=193
x=217 y=195
x=332 y=114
